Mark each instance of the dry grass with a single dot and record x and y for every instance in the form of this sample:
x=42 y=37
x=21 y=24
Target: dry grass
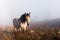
x=31 y=35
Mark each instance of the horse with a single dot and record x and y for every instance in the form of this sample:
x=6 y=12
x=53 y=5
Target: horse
x=22 y=22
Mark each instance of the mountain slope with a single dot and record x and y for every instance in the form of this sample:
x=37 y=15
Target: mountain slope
x=47 y=23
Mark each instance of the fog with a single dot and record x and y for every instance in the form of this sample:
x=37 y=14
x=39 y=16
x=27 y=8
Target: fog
x=40 y=10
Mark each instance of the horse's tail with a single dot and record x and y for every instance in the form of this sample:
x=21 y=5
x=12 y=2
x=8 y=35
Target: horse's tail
x=14 y=22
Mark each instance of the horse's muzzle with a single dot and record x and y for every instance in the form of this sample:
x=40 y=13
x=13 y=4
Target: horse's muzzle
x=27 y=24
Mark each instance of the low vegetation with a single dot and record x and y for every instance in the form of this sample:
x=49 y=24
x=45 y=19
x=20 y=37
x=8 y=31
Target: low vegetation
x=36 y=34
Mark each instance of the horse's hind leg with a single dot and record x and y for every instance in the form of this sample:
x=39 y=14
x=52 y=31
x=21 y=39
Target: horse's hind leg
x=15 y=29
x=20 y=29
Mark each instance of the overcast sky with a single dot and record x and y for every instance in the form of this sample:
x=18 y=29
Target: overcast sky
x=40 y=10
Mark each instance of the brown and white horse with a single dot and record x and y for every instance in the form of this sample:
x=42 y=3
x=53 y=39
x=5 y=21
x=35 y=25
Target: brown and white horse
x=22 y=22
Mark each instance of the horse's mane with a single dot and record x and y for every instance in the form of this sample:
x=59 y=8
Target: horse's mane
x=22 y=18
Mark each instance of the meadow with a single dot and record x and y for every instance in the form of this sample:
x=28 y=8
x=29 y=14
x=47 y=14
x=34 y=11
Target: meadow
x=30 y=34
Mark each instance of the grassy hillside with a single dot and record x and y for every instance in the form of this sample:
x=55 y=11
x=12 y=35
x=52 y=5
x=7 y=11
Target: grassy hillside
x=34 y=34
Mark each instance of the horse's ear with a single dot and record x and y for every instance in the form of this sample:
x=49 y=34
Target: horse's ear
x=29 y=12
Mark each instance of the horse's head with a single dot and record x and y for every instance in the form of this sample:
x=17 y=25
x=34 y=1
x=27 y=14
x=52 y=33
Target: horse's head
x=27 y=16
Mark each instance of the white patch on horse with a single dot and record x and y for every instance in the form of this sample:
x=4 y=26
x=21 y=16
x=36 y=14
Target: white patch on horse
x=23 y=25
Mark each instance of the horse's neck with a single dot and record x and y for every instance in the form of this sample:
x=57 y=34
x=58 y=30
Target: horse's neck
x=22 y=21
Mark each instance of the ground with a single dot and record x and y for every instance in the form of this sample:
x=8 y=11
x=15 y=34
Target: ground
x=31 y=34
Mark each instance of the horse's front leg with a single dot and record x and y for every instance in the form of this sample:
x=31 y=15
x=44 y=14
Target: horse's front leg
x=20 y=29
